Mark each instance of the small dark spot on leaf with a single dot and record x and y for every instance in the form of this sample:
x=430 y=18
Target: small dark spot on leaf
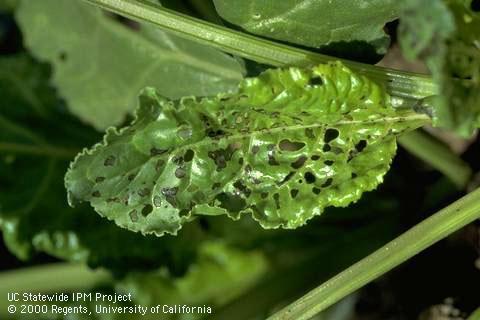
x=361 y=145
x=216 y=185
x=330 y=134
x=240 y=161
x=157 y=201
x=242 y=188
x=354 y=175
x=189 y=154
x=96 y=194
x=326 y=148
x=159 y=165
x=327 y=183
x=114 y=199
x=299 y=162
x=170 y=194
x=294 y=193
x=178 y=160
x=133 y=215
x=131 y=177
x=144 y=192
x=309 y=177
x=329 y=162
x=309 y=133
x=276 y=197
x=287 y=145
x=99 y=179
x=62 y=56
x=315 y=157
x=316 y=190
x=147 y=210
x=180 y=173
x=255 y=149
x=109 y=161
x=156 y=151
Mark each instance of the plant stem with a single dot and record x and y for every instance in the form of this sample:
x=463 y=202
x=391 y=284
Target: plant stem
x=401 y=84
x=410 y=243
x=438 y=155
x=46 y=278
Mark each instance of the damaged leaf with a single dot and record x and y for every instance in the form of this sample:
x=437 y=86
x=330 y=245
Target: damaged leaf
x=288 y=144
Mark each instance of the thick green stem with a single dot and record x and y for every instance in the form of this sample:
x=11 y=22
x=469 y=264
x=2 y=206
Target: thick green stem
x=399 y=83
x=421 y=236
x=60 y=277
x=438 y=155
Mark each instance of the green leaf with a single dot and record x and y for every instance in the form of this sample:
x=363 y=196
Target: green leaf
x=34 y=213
x=445 y=35
x=218 y=276
x=100 y=65
x=313 y=23
x=290 y=143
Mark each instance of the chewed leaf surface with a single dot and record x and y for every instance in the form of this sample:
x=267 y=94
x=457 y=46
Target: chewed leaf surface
x=288 y=144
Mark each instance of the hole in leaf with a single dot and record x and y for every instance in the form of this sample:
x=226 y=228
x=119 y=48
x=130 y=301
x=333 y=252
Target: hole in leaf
x=299 y=162
x=315 y=157
x=316 y=81
x=330 y=134
x=329 y=162
x=309 y=177
x=264 y=195
x=294 y=193
x=327 y=183
x=287 y=177
x=326 y=148
x=354 y=175
x=96 y=194
x=189 y=154
x=361 y=145
x=287 y=145
x=316 y=190
x=99 y=179
x=147 y=210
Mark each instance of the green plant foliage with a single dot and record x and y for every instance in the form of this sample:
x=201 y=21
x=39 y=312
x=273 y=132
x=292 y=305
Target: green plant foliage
x=313 y=23
x=34 y=214
x=102 y=88
x=290 y=143
x=445 y=35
